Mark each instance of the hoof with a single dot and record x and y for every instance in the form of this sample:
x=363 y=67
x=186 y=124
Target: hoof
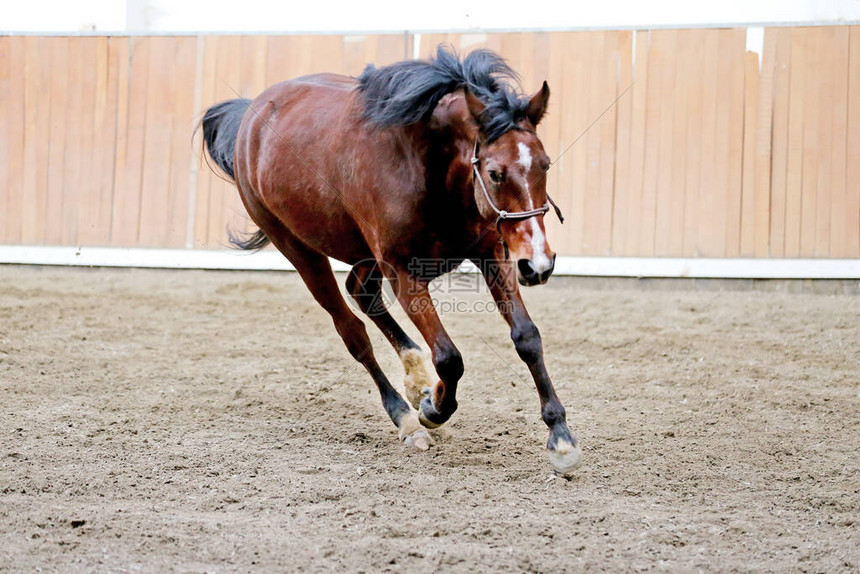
x=413 y=434
x=427 y=422
x=428 y=407
x=419 y=439
x=565 y=457
x=417 y=376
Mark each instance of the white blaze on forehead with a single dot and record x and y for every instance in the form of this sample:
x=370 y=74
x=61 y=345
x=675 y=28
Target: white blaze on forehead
x=525 y=158
x=540 y=260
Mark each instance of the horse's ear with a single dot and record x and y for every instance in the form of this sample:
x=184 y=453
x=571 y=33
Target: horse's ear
x=476 y=106
x=537 y=105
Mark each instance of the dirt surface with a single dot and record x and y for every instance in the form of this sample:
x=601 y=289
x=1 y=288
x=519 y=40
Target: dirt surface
x=205 y=421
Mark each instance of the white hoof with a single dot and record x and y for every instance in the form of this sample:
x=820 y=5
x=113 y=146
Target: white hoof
x=417 y=375
x=413 y=434
x=420 y=440
x=566 y=457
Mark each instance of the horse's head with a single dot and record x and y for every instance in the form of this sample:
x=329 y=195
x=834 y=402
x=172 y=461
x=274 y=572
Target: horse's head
x=510 y=187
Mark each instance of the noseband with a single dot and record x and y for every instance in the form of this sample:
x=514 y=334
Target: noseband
x=501 y=214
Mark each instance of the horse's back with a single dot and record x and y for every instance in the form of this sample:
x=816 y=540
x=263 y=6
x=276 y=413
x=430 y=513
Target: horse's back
x=326 y=80
x=327 y=86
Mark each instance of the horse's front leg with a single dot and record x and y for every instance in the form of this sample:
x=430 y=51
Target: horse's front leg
x=564 y=451
x=441 y=400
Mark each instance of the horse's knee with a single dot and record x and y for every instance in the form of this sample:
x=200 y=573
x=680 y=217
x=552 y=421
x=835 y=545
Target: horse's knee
x=448 y=363
x=527 y=341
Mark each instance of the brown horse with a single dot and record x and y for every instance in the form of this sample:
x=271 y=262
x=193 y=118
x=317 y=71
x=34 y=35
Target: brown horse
x=420 y=160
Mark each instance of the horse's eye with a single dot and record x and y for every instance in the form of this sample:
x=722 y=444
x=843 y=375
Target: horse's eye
x=496 y=177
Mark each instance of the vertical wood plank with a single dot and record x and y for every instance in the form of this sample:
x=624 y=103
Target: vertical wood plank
x=573 y=138
x=825 y=140
x=608 y=127
x=670 y=104
x=516 y=48
x=205 y=175
x=59 y=116
x=810 y=161
x=120 y=46
x=563 y=160
x=718 y=219
x=852 y=176
x=685 y=66
x=194 y=167
x=327 y=56
x=839 y=136
x=622 y=193
x=429 y=43
x=794 y=174
x=592 y=139
x=779 y=162
x=763 y=147
x=550 y=131
x=6 y=140
x=29 y=71
x=37 y=110
x=686 y=111
x=638 y=125
x=83 y=216
x=539 y=63
x=371 y=45
x=693 y=160
x=390 y=48
x=16 y=106
x=254 y=63
x=182 y=95
x=106 y=133
x=824 y=149
x=353 y=54
x=748 y=205
x=277 y=59
x=707 y=229
x=523 y=61
x=130 y=143
x=99 y=218
x=736 y=41
x=156 y=155
x=658 y=60
x=73 y=145
x=300 y=52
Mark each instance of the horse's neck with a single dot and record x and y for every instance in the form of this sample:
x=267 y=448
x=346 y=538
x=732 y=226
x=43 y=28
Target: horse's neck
x=449 y=203
x=448 y=171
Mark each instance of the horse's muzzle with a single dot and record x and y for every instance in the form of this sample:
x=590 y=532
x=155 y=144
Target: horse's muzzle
x=529 y=275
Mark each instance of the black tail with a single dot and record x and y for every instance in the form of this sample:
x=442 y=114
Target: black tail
x=220 y=126
x=248 y=241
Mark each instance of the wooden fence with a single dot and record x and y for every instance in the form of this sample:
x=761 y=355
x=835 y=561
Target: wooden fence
x=710 y=150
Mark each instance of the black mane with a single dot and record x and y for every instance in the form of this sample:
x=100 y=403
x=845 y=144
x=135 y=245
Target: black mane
x=407 y=92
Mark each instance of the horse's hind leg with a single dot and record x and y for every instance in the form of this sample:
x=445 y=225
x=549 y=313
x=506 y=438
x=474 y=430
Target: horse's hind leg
x=316 y=272
x=364 y=283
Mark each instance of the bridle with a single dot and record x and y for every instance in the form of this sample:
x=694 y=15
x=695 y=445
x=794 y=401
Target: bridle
x=503 y=215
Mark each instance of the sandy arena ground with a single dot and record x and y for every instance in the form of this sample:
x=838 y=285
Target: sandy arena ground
x=212 y=421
